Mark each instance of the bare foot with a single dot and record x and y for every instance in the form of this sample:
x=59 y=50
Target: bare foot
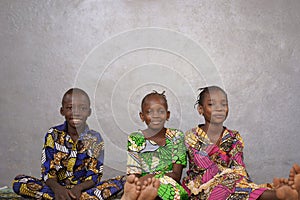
x=283 y=190
x=296 y=184
x=294 y=178
x=132 y=188
x=149 y=189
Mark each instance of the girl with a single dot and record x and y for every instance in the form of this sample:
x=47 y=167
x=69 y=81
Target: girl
x=157 y=151
x=216 y=167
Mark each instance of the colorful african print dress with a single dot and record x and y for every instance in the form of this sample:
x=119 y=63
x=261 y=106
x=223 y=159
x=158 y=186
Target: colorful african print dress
x=147 y=157
x=218 y=172
x=71 y=163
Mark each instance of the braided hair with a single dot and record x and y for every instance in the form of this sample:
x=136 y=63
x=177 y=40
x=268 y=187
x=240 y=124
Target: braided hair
x=155 y=93
x=207 y=90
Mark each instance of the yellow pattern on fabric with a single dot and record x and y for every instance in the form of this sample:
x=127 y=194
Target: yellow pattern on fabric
x=229 y=170
x=49 y=142
x=26 y=191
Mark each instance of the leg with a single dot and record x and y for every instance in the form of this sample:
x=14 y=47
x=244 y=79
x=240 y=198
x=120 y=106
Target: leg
x=31 y=187
x=105 y=189
x=132 y=188
x=149 y=189
x=282 y=191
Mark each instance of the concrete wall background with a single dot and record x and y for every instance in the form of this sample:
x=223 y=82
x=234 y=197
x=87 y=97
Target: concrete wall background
x=120 y=50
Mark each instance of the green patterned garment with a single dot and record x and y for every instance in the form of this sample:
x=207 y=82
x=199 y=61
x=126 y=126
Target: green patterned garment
x=147 y=157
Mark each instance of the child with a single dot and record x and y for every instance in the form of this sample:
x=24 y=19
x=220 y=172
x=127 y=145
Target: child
x=72 y=158
x=216 y=167
x=157 y=151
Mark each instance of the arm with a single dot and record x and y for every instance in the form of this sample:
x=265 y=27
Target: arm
x=135 y=143
x=60 y=192
x=176 y=173
x=49 y=170
x=76 y=191
x=236 y=152
x=179 y=155
x=237 y=156
x=93 y=151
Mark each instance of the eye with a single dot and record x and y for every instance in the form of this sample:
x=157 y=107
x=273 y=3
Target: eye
x=83 y=108
x=149 y=112
x=162 y=111
x=69 y=107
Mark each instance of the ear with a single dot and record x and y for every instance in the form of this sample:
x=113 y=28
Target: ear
x=62 y=111
x=168 y=115
x=200 y=109
x=142 y=116
x=90 y=112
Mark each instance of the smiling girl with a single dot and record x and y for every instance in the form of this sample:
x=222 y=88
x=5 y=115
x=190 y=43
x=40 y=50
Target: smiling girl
x=157 y=151
x=216 y=167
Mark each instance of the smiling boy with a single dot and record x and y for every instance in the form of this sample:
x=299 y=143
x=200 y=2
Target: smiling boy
x=72 y=158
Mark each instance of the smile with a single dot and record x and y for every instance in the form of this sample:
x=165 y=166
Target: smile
x=155 y=122
x=76 y=120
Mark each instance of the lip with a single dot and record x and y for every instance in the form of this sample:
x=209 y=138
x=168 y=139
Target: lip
x=219 y=116
x=76 y=120
x=155 y=122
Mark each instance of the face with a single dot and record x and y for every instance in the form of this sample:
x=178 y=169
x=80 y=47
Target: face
x=214 y=108
x=76 y=110
x=154 y=112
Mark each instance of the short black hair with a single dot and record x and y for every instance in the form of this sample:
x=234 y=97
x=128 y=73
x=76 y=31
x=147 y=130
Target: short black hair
x=206 y=90
x=75 y=90
x=155 y=93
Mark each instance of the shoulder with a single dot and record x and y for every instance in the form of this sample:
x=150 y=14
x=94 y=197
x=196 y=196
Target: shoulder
x=190 y=132
x=136 y=141
x=173 y=133
x=235 y=135
x=95 y=134
x=137 y=134
x=55 y=130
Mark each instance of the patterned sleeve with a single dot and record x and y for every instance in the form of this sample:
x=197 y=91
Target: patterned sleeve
x=136 y=142
x=94 y=148
x=198 y=157
x=48 y=170
x=179 y=154
x=236 y=152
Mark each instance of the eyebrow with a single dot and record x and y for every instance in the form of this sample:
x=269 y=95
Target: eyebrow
x=215 y=100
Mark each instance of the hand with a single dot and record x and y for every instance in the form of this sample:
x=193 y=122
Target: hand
x=75 y=192
x=61 y=193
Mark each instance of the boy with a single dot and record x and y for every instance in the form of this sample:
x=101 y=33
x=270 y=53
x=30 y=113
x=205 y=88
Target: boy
x=72 y=158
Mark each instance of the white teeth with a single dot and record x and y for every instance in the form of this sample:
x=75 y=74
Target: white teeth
x=76 y=120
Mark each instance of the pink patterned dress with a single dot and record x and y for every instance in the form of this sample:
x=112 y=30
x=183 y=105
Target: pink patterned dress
x=217 y=172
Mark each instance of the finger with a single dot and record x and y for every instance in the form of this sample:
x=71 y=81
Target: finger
x=73 y=196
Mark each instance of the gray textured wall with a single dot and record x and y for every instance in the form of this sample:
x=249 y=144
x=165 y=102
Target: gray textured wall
x=120 y=50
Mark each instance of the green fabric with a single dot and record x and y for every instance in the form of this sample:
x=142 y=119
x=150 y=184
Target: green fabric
x=146 y=157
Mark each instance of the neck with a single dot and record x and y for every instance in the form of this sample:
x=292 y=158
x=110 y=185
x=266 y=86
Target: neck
x=74 y=132
x=149 y=133
x=213 y=129
x=156 y=136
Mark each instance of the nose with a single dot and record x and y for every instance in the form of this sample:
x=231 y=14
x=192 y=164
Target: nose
x=155 y=114
x=75 y=110
x=218 y=107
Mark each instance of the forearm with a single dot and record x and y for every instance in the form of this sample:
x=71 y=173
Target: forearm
x=85 y=185
x=53 y=184
x=174 y=175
